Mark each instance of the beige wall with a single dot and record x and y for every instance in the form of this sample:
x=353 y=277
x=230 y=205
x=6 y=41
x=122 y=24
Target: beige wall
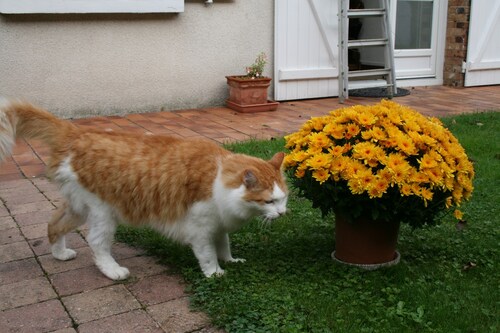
x=81 y=65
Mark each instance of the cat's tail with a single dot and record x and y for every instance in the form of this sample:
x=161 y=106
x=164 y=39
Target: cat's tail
x=23 y=120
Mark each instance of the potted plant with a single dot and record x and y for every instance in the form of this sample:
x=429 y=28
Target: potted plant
x=377 y=166
x=248 y=93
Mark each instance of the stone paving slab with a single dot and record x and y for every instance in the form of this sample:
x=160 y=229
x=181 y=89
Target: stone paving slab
x=175 y=316
x=100 y=303
x=11 y=235
x=34 y=318
x=25 y=292
x=15 y=251
x=157 y=289
x=142 y=266
x=65 y=330
x=3 y=211
x=31 y=218
x=122 y=251
x=24 y=198
x=19 y=270
x=15 y=186
x=34 y=231
x=40 y=206
x=79 y=280
x=133 y=321
x=7 y=222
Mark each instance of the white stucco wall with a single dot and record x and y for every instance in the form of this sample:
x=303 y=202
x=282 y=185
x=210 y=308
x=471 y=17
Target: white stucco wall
x=82 y=65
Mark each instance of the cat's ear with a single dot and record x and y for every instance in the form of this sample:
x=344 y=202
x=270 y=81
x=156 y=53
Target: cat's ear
x=249 y=179
x=277 y=160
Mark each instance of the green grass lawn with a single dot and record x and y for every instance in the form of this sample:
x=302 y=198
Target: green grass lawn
x=447 y=281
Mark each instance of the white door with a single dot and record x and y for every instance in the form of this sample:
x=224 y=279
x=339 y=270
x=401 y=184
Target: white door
x=483 y=50
x=306 y=49
x=419 y=36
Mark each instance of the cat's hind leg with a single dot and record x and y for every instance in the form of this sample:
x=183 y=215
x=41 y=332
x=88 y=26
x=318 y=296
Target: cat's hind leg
x=63 y=221
x=100 y=238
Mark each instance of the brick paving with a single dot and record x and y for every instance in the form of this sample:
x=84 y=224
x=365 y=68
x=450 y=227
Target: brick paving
x=41 y=294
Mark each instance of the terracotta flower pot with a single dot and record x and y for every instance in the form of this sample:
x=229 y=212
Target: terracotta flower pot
x=366 y=243
x=249 y=95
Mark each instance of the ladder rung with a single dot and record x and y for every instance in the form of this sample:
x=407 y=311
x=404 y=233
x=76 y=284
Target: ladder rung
x=361 y=84
x=367 y=42
x=365 y=12
x=369 y=72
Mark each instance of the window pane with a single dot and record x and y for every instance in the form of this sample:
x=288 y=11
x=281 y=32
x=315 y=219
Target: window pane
x=414 y=24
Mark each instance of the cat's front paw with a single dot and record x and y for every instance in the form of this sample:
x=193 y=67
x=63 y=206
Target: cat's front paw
x=115 y=272
x=214 y=273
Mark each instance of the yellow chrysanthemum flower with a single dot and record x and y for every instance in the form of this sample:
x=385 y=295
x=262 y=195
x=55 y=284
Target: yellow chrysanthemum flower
x=427 y=162
x=319 y=140
x=317 y=123
x=426 y=194
x=405 y=190
x=352 y=167
x=365 y=151
x=319 y=161
x=400 y=173
x=405 y=144
x=300 y=173
x=288 y=161
x=435 y=176
x=448 y=202
x=385 y=174
x=395 y=160
x=420 y=178
x=321 y=175
x=366 y=118
x=374 y=134
x=378 y=188
x=339 y=164
x=299 y=156
x=356 y=186
x=336 y=150
x=335 y=130
x=351 y=130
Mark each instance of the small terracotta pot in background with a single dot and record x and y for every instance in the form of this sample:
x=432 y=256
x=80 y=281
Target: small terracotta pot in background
x=249 y=95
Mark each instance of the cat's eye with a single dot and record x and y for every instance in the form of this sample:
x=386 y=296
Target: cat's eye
x=268 y=202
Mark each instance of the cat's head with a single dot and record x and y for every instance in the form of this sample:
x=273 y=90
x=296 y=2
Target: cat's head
x=257 y=186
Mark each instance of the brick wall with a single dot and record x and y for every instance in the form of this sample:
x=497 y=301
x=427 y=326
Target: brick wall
x=457 y=30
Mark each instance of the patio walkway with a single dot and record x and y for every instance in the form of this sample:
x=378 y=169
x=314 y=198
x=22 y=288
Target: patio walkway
x=40 y=294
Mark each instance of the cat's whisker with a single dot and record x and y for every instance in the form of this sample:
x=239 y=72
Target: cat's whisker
x=265 y=221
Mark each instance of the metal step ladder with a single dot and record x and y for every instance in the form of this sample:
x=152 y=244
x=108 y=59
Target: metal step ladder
x=365 y=78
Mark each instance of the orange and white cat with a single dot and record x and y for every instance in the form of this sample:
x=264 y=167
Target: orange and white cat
x=191 y=190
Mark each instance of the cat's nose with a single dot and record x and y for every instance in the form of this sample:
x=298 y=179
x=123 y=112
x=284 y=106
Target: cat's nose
x=282 y=212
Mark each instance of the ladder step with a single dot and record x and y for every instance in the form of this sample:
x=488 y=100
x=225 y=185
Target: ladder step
x=365 y=12
x=367 y=42
x=369 y=72
x=361 y=84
